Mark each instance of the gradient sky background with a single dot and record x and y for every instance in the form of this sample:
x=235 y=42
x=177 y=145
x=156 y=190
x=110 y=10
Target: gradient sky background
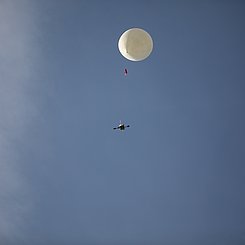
x=176 y=176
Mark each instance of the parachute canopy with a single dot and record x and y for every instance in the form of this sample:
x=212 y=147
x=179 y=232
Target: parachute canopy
x=135 y=44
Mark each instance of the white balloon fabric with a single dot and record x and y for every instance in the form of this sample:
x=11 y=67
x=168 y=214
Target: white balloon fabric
x=135 y=44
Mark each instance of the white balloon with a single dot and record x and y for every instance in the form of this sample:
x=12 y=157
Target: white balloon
x=135 y=44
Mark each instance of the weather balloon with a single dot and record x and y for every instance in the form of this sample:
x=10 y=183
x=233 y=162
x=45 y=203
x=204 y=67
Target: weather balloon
x=135 y=44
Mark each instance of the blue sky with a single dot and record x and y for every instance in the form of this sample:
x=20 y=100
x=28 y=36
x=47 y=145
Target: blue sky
x=176 y=176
